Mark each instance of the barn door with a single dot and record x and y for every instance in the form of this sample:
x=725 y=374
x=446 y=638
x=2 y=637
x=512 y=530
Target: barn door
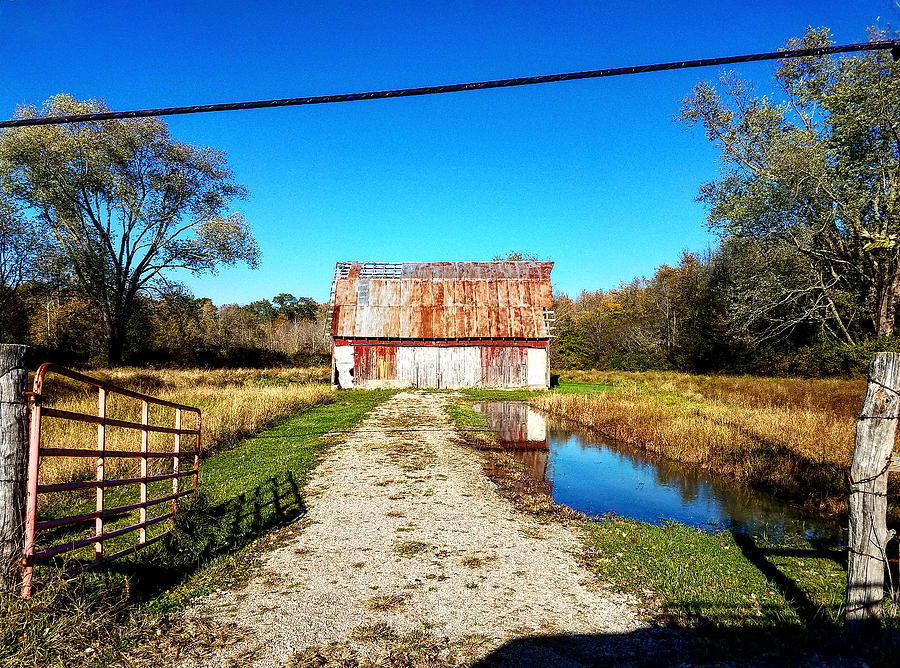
x=375 y=363
x=503 y=366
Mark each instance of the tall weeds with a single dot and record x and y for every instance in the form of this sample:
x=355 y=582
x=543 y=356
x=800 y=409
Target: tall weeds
x=234 y=403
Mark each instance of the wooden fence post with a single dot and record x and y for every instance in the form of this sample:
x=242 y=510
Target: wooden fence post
x=13 y=455
x=875 y=430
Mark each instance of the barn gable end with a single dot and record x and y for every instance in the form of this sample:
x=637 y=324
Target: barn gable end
x=441 y=324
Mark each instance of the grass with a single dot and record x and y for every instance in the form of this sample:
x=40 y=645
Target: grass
x=409 y=548
x=385 y=603
x=476 y=394
x=476 y=561
x=790 y=437
x=566 y=387
x=383 y=647
x=739 y=594
x=720 y=579
x=250 y=496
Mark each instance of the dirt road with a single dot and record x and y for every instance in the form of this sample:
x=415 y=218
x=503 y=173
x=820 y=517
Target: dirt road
x=409 y=556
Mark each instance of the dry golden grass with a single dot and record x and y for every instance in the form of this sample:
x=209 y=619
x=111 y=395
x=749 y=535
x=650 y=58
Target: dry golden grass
x=835 y=395
x=234 y=403
x=385 y=603
x=792 y=437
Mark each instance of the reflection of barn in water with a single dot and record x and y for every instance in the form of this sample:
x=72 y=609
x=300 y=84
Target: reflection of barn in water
x=523 y=433
x=517 y=426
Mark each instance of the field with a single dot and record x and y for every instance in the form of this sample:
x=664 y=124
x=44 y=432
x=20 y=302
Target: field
x=235 y=404
x=265 y=430
x=790 y=437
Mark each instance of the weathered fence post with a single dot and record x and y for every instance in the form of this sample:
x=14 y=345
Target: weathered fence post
x=13 y=455
x=875 y=430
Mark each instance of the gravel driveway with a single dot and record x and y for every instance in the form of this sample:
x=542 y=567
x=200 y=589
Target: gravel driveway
x=409 y=556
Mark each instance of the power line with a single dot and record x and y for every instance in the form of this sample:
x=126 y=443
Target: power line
x=893 y=45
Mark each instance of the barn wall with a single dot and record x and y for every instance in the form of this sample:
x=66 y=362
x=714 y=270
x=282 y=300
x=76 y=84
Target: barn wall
x=503 y=366
x=442 y=366
x=374 y=363
x=439 y=366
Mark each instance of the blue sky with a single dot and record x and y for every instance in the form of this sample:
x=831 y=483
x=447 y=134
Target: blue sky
x=595 y=174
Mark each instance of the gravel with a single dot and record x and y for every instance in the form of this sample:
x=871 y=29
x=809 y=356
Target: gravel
x=404 y=529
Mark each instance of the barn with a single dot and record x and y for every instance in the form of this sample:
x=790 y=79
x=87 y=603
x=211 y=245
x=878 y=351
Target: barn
x=441 y=324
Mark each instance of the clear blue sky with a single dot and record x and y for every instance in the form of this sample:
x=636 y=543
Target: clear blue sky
x=594 y=174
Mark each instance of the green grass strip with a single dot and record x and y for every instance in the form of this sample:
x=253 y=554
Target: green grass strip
x=721 y=579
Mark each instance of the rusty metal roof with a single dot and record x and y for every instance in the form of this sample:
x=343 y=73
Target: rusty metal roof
x=442 y=300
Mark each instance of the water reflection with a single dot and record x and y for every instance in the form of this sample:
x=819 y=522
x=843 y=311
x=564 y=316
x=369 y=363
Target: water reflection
x=517 y=426
x=599 y=476
x=524 y=432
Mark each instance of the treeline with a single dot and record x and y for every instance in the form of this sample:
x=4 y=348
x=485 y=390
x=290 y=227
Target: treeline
x=172 y=329
x=806 y=279
x=726 y=311
x=94 y=218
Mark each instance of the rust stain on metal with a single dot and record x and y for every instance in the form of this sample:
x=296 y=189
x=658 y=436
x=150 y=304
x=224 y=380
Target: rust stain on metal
x=442 y=300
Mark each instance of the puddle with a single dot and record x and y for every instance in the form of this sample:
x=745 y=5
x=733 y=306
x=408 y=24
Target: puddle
x=597 y=476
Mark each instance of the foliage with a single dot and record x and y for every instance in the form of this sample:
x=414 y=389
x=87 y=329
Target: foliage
x=21 y=249
x=173 y=328
x=669 y=321
x=708 y=313
x=813 y=173
x=516 y=256
x=125 y=204
x=807 y=277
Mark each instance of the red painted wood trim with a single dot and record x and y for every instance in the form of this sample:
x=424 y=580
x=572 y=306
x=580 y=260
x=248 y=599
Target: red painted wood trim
x=445 y=343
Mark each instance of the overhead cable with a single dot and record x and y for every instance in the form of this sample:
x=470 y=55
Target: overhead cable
x=882 y=45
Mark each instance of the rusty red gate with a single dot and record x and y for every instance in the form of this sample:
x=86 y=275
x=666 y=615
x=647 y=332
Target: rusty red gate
x=38 y=454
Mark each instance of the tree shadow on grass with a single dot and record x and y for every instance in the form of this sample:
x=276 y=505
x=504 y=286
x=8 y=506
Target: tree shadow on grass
x=806 y=609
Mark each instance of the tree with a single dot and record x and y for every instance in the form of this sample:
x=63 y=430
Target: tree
x=261 y=310
x=516 y=256
x=814 y=172
x=293 y=308
x=126 y=204
x=20 y=251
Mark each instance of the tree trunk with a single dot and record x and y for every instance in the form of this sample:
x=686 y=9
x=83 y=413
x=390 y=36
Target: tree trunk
x=886 y=297
x=117 y=330
x=115 y=348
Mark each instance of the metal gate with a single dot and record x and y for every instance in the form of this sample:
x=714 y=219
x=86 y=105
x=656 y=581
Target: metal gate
x=38 y=455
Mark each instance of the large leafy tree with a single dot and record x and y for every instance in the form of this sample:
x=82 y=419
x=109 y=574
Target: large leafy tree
x=126 y=204
x=813 y=171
